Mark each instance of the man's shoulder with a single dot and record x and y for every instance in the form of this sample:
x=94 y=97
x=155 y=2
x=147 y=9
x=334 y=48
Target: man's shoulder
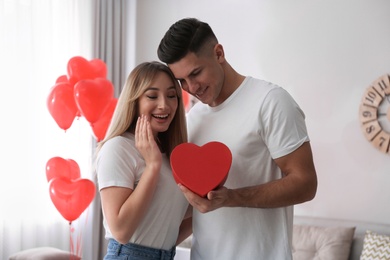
x=259 y=89
x=257 y=82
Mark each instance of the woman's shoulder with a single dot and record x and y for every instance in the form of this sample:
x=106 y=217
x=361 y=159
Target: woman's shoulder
x=125 y=141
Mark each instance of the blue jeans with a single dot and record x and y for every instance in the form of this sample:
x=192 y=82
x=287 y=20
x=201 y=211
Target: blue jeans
x=131 y=251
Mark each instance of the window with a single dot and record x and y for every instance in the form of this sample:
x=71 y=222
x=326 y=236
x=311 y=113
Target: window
x=37 y=40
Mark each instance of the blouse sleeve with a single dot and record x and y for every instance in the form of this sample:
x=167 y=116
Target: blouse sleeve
x=117 y=164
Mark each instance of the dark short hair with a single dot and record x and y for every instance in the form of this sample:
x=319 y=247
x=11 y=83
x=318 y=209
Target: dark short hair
x=184 y=36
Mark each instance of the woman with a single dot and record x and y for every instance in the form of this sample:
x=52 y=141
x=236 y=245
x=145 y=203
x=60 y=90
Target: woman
x=142 y=206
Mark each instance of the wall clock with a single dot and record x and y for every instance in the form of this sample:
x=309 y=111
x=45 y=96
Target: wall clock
x=375 y=113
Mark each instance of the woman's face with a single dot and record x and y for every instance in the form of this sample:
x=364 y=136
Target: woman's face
x=159 y=103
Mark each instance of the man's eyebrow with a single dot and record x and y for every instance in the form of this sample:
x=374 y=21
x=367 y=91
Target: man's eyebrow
x=192 y=72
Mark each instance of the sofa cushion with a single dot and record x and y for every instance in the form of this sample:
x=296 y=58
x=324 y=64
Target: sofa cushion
x=375 y=246
x=43 y=253
x=316 y=242
x=360 y=231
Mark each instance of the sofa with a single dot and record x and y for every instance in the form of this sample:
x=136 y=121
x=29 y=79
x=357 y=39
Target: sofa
x=330 y=239
x=43 y=253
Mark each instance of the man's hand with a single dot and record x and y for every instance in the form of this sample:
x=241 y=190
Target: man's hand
x=215 y=199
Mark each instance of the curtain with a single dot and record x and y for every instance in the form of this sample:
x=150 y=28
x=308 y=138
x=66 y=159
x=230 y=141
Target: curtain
x=113 y=43
x=37 y=38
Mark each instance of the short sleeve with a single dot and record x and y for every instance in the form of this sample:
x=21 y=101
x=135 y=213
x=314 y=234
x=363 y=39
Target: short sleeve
x=283 y=123
x=117 y=163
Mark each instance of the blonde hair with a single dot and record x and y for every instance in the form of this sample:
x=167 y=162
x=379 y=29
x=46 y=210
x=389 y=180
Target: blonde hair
x=126 y=113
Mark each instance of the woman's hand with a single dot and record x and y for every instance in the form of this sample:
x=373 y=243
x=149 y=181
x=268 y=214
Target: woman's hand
x=125 y=208
x=146 y=144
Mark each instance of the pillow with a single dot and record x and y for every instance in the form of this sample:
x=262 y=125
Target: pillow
x=325 y=243
x=43 y=253
x=375 y=246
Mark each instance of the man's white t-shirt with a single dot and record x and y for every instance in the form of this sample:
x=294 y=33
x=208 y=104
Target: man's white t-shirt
x=258 y=122
x=120 y=164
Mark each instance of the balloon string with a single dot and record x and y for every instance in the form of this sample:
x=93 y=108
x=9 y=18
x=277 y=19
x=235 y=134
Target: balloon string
x=80 y=240
x=76 y=250
x=71 y=240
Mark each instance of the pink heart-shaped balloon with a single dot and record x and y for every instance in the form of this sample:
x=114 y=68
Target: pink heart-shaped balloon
x=201 y=168
x=71 y=197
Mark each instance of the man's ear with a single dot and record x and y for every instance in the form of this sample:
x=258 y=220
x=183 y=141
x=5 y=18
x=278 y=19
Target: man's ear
x=218 y=50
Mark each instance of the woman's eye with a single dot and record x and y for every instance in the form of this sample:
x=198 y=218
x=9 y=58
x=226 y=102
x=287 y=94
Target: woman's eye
x=152 y=97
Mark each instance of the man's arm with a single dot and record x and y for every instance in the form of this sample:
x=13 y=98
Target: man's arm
x=298 y=185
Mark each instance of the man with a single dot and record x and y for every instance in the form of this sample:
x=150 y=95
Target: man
x=251 y=217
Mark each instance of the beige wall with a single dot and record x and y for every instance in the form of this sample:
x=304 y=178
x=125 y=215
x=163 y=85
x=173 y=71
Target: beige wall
x=325 y=53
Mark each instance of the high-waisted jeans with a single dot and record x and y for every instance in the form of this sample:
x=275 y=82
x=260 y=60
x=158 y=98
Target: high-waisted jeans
x=131 y=251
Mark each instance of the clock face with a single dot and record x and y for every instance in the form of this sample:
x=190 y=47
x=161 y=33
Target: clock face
x=375 y=113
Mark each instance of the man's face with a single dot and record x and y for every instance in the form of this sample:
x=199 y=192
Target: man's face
x=201 y=76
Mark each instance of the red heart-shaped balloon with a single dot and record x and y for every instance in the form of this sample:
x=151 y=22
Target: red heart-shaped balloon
x=71 y=197
x=64 y=168
x=201 y=168
x=93 y=96
x=61 y=104
x=80 y=68
x=99 y=128
x=62 y=78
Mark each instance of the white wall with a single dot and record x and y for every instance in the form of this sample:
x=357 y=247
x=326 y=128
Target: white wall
x=325 y=53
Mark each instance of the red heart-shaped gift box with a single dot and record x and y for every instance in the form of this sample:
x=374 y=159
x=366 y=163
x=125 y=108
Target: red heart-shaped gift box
x=201 y=168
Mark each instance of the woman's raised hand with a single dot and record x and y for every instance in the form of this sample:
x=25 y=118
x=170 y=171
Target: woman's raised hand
x=146 y=143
